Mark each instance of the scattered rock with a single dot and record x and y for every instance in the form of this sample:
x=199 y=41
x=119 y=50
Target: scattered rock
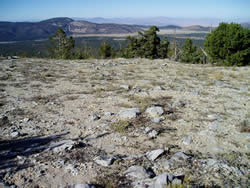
x=25 y=120
x=108 y=114
x=72 y=169
x=138 y=172
x=95 y=117
x=158 y=88
x=105 y=160
x=153 y=134
x=158 y=119
x=81 y=186
x=177 y=158
x=129 y=113
x=147 y=130
x=62 y=145
x=14 y=134
x=152 y=155
x=155 y=111
x=213 y=117
x=162 y=180
x=180 y=156
x=126 y=87
x=187 y=140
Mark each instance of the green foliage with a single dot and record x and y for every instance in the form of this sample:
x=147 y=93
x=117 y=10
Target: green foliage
x=147 y=45
x=105 y=50
x=229 y=44
x=164 y=48
x=61 y=46
x=190 y=53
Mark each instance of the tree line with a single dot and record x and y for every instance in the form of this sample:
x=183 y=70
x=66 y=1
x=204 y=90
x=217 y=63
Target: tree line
x=228 y=44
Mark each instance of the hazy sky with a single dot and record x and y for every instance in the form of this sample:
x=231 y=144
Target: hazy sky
x=20 y=10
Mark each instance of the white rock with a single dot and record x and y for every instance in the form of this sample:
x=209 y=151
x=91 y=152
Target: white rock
x=14 y=134
x=152 y=155
x=155 y=111
x=129 y=113
x=153 y=134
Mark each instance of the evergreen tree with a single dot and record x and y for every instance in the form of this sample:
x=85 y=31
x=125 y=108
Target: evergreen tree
x=61 y=46
x=163 y=48
x=190 y=53
x=105 y=50
x=229 y=44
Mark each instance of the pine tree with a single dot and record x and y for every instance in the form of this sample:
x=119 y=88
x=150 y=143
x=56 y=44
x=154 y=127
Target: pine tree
x=229 y=44
x=105 y=50
x=61 y=47
x=163 y=48
x=190 y=53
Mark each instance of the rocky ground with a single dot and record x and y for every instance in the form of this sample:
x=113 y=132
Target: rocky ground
x=123 y=123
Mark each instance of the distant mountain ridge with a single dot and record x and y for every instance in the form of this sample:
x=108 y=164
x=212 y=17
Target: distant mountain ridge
x=158 y=21
x=20 y=31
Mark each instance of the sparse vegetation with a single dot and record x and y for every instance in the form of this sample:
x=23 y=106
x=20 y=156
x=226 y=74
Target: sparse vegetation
x=120 y=126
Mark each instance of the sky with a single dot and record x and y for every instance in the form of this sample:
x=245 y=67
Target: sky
x=34 y=10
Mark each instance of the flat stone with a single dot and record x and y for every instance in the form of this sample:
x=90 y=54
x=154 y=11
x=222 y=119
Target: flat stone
x=138 y=172
x=152 y=155
x=129 y=113
x=105 y=160
x=155 y=111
